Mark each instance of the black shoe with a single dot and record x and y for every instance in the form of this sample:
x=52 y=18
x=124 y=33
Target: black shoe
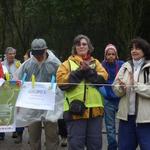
x=14 y=135
x=2 y=138
x=18 y=139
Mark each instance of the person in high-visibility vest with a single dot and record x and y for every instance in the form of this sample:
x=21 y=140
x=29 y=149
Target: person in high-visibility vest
x=80 y=76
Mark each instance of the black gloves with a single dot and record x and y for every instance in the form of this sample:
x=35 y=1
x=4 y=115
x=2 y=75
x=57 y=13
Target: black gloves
x=92 y=76
x=76 y=76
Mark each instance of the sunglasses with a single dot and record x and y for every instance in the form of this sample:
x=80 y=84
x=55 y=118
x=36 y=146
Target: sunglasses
x=81 y=44
x=37 y=52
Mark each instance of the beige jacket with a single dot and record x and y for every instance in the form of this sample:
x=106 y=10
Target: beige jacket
x=142 y=90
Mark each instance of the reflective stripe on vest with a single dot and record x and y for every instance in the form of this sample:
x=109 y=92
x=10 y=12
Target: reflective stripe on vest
x=93 y=97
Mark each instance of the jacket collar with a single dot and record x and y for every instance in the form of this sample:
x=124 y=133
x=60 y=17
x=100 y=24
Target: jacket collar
x=129 y=65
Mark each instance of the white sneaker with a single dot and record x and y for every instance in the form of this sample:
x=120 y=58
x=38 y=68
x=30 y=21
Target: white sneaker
x=63 y=142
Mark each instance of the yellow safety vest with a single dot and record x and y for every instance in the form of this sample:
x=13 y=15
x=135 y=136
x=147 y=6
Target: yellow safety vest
x=93 y=98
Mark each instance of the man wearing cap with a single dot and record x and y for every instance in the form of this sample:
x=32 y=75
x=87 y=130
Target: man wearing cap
x=112 y=66
x=43 y=64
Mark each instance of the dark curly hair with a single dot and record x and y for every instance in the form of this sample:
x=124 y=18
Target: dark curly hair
x=141 y=44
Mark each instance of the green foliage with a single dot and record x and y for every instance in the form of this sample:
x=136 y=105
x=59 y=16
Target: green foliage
x=59 y=21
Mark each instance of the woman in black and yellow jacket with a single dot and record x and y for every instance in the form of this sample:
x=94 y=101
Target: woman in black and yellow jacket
x=79 y=77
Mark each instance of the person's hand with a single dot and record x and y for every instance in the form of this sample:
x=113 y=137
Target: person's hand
x=84 y=65
x=122 y=84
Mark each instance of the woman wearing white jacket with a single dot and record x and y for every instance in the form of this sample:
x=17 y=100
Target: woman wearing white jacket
x=132 y=84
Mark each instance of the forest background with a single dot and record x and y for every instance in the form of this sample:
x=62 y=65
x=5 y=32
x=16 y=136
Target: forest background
x=59 y=21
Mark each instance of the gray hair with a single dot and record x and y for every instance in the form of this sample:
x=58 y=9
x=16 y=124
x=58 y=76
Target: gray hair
x=10 y=49
x=77 y=40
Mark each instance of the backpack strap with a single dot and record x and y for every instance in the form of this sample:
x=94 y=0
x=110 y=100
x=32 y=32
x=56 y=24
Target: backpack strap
x=146 y=75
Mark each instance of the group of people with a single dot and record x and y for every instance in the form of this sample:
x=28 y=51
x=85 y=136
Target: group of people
x=93 y=90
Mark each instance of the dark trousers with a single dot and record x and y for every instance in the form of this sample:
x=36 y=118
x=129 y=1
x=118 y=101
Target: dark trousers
x=85 y=133
x=20 y=129
x=131 y=134
x=62 y=129
x=2 y=134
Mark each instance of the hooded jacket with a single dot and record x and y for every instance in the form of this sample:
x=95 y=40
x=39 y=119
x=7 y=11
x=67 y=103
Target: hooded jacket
x=95 y=76
x=42 y=71
x=141 y=88
x=112 y=70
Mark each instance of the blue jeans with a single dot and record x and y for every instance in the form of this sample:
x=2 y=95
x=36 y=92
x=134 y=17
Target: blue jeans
x=110 y=109
x=131 y=134
x=85 y=133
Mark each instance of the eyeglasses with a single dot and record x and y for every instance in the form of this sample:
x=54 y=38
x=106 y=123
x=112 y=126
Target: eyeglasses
x=81 y=44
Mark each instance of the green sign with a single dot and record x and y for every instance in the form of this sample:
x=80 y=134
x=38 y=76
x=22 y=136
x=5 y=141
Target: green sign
x=8 y=96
